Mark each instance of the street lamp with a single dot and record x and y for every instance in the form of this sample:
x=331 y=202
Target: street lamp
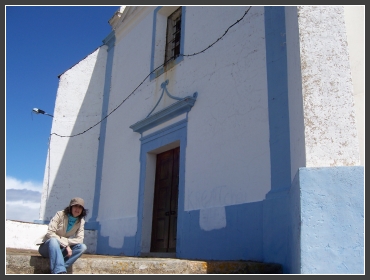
x=39 y=111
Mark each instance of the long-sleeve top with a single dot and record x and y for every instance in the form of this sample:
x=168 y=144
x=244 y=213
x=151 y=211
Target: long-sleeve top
x=57 y=228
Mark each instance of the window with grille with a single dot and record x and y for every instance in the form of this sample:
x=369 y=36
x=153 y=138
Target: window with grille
x=173 y=36
x=168 y=39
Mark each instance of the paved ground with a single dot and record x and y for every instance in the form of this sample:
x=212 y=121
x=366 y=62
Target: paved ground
x=19 y=261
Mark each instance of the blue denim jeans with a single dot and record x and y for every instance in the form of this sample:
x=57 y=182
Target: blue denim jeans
x=59 y=262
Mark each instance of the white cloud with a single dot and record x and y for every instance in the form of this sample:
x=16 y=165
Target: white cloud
x=25 y=212
x=23 y=200
x=25 y=204
x=13 y=183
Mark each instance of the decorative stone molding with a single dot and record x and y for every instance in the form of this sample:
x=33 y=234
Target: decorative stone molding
x=181 y=106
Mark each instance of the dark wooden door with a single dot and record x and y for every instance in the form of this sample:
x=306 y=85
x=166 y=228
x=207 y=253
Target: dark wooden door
x=165 y=202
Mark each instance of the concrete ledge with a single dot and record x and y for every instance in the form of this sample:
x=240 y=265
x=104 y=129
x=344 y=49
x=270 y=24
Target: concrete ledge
x=30 y=262
x=22 y=235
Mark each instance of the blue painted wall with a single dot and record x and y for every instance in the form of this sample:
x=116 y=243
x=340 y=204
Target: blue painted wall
x=92 y=222
x=332 y=220
x=241 y=239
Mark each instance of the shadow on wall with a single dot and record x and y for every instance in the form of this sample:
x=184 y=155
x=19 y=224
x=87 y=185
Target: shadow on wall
x=71 y=157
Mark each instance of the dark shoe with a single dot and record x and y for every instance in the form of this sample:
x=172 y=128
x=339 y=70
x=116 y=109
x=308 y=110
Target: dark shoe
x=63 y=272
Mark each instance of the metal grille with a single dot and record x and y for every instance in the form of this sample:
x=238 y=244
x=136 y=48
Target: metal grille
x=173 y=36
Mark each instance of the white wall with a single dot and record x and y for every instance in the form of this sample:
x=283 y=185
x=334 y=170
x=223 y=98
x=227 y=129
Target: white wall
x=71 y=163
x=355 y=24
x=120 y=174
x=296 y=125
x=229 y=122
x=22 y=235
x=229 y=106
x=227 y=157
x=330 y=127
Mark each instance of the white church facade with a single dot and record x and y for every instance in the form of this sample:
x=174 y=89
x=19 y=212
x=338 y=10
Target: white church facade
x=218 y=133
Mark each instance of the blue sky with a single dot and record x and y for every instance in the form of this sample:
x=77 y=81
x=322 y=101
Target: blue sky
x=41 y=43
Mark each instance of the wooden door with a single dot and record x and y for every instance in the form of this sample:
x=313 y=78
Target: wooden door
x=165 y=202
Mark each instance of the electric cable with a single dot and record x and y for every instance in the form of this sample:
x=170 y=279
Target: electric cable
x=185 y=55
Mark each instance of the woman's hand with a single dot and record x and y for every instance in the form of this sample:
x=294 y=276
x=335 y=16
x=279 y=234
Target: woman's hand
x=69 y=251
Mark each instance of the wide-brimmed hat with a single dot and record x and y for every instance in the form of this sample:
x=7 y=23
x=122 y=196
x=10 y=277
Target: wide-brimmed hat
x=77 y=201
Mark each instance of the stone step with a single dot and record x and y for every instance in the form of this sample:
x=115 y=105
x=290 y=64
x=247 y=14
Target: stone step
x=20 y=261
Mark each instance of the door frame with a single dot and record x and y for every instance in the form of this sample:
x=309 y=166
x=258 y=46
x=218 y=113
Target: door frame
x=157 y=142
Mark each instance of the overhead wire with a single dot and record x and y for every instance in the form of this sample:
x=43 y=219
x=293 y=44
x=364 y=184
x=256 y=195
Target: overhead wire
x=119 y=105
x=160 y=66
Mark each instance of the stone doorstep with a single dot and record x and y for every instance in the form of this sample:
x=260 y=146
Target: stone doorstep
x=19 y=261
